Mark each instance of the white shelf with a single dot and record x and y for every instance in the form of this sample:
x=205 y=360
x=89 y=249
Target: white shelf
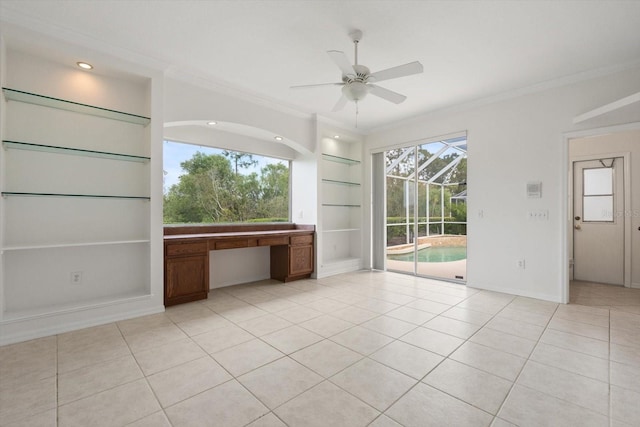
x=62 y=104
x=71 y=245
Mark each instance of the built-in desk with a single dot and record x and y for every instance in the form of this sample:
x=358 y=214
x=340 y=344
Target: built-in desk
x=186 y=254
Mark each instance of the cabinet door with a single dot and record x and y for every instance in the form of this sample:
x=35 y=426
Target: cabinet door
x=185 y=276
x=300 y=260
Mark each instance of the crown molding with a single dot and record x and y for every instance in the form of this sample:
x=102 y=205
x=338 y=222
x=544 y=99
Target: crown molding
x=16 y=24
x=226 y=88
x=512 y=94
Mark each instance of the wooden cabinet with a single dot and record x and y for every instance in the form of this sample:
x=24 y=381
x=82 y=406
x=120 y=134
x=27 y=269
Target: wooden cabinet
x=293 y=261
x=186 y=273
x=186 y=254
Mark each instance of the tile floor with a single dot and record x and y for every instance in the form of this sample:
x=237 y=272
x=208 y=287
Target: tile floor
x=366 y=348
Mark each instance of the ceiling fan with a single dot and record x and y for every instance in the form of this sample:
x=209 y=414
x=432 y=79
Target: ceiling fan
x=358 y=81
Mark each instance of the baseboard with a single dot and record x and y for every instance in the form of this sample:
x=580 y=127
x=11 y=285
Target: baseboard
x=28 y=328
x=517 y=292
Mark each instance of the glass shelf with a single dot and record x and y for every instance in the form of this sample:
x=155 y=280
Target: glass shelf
x=333 y=181
x=73 y=151
x=338 y=205
x=338 y=159
x=341 y=230
x=61 y=104
x=73 y=245
x=95 y=196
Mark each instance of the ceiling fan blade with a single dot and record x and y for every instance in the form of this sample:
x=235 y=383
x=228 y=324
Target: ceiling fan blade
x=315 y=85
x=387 y=94
x=395 y=72
x=340 y=104
x=342 y=62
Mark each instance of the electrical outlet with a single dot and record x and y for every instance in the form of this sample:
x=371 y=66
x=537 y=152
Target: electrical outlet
x=76 y=277
x=521 y=264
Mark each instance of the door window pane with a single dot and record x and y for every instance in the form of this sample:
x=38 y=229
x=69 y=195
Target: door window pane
x=598 y=208
x=597 y=190
x=598 y=181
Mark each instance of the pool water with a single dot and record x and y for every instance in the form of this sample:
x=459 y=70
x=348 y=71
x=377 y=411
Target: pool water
x=434 y=254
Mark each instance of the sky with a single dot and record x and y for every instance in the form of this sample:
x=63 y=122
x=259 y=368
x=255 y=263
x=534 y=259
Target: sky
x=177 y=152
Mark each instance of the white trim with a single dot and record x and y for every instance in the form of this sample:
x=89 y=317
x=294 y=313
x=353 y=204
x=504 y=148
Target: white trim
x=607 y=108
x=517 y=292
x=225 y=88
x=48 y=324
x=23 y=24
x=516 y=93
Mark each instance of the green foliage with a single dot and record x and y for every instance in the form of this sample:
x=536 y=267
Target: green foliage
x=212 y=191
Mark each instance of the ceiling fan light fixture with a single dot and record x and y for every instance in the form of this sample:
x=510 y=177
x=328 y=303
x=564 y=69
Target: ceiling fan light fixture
x=355 y=91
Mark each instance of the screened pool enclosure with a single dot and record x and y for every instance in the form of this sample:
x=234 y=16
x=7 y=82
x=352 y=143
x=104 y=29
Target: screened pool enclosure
x=426 y=209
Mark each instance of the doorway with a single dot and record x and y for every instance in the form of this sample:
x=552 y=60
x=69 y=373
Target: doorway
x=607 y=158
x=425 y=209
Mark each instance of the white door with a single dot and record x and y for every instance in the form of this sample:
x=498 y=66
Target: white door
x=598 y=222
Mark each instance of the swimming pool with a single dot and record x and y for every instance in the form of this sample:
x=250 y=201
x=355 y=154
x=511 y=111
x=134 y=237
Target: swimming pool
x=434 y=254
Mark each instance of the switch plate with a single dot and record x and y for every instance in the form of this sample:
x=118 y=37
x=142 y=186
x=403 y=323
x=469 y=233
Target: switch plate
x=538 y=215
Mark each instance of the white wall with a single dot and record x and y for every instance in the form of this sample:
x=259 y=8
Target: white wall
x=620 y=142
x=185 y=101
x=511 y=142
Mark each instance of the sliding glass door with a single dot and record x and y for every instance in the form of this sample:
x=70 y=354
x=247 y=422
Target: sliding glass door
x=426 y=215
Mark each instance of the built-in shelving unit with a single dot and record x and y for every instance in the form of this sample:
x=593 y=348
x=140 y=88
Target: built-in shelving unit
x=75 y=212
x=340 y=218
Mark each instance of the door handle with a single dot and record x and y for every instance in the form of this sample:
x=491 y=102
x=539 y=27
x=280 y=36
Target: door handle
x=578 y=227
x=577 y=218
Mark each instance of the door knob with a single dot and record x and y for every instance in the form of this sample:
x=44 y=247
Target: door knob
x=577 y=218
x=578 y=227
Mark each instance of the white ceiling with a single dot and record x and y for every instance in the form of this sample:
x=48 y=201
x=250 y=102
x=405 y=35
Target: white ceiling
x=471 y=50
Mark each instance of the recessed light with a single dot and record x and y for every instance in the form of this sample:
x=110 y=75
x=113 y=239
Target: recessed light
x=336 y=136
x=84 y=65
x=212 y=123
x=277 y=138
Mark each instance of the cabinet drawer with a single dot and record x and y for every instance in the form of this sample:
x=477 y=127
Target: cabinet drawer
x=273 y=241
x=302 y=240
x=233 y=244
x=179 y=249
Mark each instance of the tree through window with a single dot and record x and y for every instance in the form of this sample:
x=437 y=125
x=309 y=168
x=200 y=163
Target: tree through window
x=207 y=185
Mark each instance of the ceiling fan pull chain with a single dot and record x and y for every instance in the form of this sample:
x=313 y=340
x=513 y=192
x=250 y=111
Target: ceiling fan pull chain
x=356 y=114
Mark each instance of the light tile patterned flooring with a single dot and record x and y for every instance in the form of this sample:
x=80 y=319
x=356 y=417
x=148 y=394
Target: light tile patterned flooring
x=366 y=348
